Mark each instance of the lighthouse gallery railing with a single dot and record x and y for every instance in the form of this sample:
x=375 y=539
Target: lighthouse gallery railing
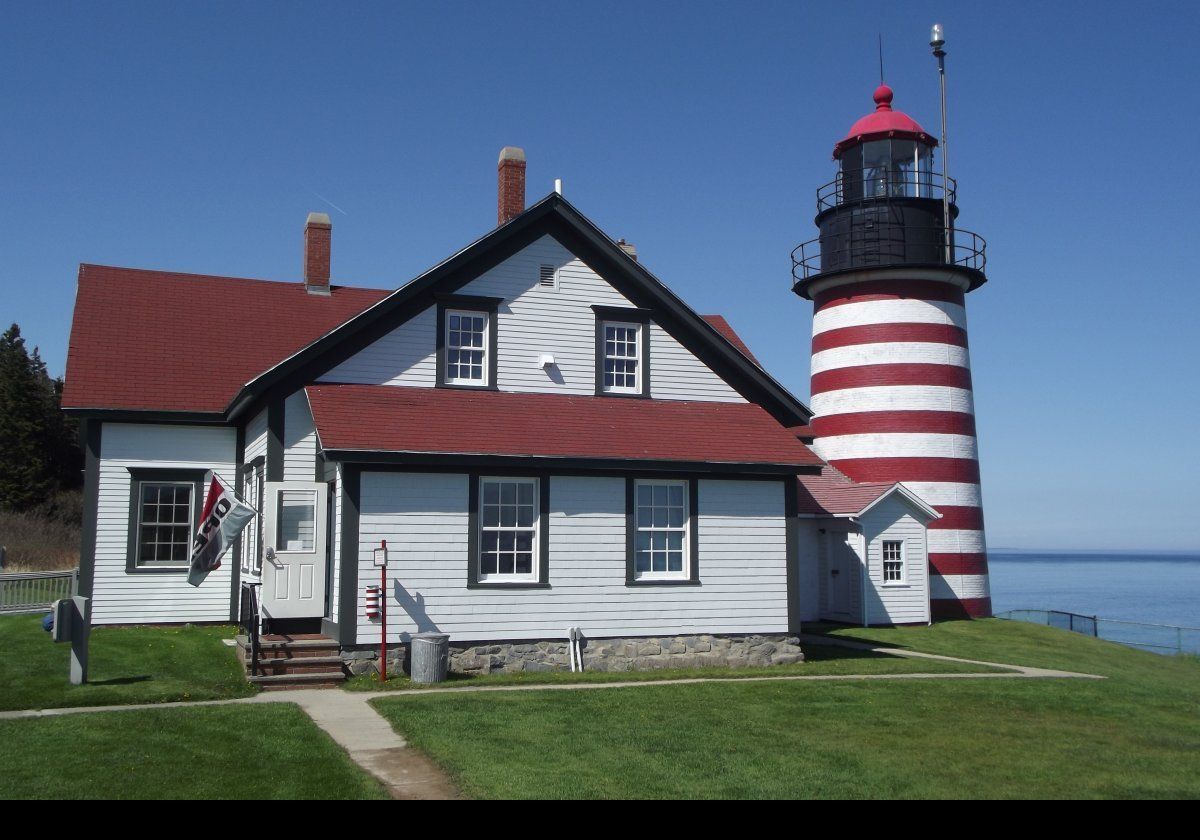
x=884 y=248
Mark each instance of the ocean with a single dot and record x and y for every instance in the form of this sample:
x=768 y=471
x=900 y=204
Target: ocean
x=1150 y=588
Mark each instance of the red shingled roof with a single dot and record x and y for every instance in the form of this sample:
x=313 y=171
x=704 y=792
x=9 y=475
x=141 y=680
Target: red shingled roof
x=831 y=492
x=718 y=323
x=388 y=418
x=167 y=341
x=163 y=341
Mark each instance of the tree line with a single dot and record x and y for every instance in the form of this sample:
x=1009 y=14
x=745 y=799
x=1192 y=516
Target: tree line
x=40 y=455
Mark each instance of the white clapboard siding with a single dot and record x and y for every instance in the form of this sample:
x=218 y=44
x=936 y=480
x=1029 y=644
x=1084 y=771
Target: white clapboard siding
x=742 y=555
x=907 y=603
x=676 y=373
x=256 y=437
x=299 y=439
x=123 y=598
x=405 y=356
x=534 y=320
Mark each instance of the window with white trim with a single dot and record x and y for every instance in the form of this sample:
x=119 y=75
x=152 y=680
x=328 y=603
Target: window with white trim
x=893 y=561
x=251 y=544
x=165 y=523
x=622 y=358
x=466 y=347
x=508 y=529
x=660 y=549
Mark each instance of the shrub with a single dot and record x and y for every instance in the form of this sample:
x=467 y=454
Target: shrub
x=45 y=538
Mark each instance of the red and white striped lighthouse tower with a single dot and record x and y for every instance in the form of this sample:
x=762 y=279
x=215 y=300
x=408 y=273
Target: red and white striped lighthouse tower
x=891 y=376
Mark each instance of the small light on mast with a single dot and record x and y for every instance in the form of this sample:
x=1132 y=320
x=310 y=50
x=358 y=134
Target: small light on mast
x=937 y=37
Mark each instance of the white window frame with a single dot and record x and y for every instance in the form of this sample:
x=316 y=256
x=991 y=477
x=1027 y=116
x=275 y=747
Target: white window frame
x=535 y=529
x=252 y=494
x=191 y=526
x=685 y=571
x=903 y=561
x=639 y=372
x=486 y=347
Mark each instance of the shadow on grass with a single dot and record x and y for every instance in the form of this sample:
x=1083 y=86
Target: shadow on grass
x=123 y=680
x=814 y=652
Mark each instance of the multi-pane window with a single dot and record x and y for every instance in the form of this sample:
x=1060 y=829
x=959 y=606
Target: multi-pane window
x=622 y=358
x=164 y=523
x=893 y=561
x=466 y=348
x=660 y=546
x=508 y=528
x=252 y=537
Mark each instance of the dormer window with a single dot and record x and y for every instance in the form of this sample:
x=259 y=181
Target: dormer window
x=466 y=346
x=622 y=358
x=622 y=351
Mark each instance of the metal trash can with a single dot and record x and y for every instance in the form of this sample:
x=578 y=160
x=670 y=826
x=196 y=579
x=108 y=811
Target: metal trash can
x=430 y=657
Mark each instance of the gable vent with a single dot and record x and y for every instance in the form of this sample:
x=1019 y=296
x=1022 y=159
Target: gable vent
x=547 y=277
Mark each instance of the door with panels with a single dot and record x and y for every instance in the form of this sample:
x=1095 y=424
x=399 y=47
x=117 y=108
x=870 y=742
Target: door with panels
x=295 y=545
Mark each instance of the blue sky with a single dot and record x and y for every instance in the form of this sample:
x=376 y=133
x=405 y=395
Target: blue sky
x=196 y=137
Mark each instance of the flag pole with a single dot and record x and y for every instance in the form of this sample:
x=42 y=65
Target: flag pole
x=937 y=40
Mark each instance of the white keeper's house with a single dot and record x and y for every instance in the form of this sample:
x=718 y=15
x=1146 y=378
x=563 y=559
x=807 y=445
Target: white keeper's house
x=547 y=437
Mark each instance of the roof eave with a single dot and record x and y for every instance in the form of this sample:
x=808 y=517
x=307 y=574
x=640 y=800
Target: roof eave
x=483 y=459
x=913 y=499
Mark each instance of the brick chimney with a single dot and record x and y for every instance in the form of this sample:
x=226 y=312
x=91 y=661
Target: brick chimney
x=511 y=169
x=629 y=248
x=318 y=233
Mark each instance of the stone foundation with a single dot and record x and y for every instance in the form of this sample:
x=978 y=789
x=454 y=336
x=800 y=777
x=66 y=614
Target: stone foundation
x=610 y=655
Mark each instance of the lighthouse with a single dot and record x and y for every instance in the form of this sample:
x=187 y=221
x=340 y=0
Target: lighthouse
x=888 y=278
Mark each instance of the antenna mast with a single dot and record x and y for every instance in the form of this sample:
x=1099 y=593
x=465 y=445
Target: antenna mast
x=937 y=40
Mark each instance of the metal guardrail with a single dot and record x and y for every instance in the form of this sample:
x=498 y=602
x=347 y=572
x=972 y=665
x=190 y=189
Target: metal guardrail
x=26 y=592
x=889 y=247
x=251 y=618
x=1158 y=638
x=859 y=184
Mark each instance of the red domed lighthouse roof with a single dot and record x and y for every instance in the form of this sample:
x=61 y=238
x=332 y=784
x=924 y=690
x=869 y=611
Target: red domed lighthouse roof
x=883 y=123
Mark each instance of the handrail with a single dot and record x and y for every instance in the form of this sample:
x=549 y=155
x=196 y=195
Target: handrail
x=855 y=185
x=965 y=249
x=23 y=592
x=251 y=618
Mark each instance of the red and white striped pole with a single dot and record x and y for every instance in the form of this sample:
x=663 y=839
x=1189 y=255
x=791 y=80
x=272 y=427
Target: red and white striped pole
x=891 y=391
x=383 y=588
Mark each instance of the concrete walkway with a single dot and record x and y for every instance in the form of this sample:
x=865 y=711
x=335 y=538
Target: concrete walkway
x=370 y=740
x=348 y=718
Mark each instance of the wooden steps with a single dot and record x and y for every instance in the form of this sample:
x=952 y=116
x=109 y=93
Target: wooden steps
x=294 y=661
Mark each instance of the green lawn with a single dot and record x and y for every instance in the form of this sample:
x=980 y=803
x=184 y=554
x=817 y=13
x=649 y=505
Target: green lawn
x=1135 y=734
x=820 y=660
x=226 y=752
x=127 y=665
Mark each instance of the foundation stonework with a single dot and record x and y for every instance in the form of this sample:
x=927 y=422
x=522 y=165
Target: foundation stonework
x=604 y=655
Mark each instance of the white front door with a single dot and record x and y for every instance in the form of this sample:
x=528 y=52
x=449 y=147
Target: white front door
x=841 y=559
x=294 y=549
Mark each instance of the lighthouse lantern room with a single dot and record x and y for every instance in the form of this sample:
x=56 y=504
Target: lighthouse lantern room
x=891 y=379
